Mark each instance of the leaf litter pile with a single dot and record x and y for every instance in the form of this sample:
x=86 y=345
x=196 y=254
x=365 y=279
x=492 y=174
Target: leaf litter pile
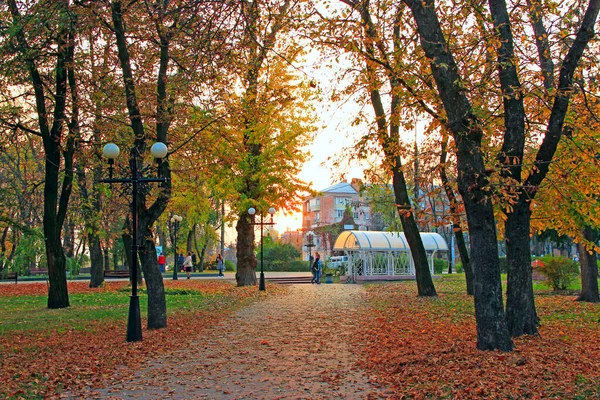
x=44 y=363
x=425 y=348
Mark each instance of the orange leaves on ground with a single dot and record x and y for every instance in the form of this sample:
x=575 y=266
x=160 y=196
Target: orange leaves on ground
x=422 y=349
x=46 y=364
x=41 y=288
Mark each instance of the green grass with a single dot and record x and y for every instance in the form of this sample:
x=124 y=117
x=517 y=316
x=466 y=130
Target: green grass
x=30 y=313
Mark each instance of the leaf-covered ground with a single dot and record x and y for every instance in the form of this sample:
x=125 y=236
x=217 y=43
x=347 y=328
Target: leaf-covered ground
x=425 y=348
x=317 y=341
x=42 y=363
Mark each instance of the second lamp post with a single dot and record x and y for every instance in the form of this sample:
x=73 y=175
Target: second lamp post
x=262 y=222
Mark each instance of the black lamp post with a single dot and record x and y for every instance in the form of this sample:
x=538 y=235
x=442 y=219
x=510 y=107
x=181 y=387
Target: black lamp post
x=175 y=220
x=262 y=222
x=310 y=244
x=111 y=152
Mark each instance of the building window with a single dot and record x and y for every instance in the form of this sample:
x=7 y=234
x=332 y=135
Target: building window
x=355 y=215
x=339 y=213
x=317 y=216
x=342 y=200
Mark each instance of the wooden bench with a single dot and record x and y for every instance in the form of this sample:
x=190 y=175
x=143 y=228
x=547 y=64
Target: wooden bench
x=9 y=276
x=116 y=274
x=86 y=270
x=38 y=271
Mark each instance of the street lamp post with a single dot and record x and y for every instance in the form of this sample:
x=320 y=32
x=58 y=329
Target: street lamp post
x=310 y=244
x=111 y=152
x=262 y=222
x=175 y=220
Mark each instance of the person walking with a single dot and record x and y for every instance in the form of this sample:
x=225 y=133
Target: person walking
x=161 y=262
x=317 y=268
x=187 y=264
x=220 y=266
x=180 y=261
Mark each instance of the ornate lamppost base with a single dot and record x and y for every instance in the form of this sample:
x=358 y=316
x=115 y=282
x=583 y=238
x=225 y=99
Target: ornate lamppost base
x=134 y=324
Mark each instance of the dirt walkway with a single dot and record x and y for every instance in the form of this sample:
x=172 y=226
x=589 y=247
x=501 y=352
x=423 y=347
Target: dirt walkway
x=285 y=347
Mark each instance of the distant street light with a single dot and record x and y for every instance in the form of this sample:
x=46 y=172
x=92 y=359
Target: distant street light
x=111 y=152
x=310 y=244
x=175 y=220
x=252 y=211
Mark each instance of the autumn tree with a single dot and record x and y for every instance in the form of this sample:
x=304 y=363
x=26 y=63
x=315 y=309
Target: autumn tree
x=38 y=49
x=466 y=128
x=376 y=44
x=270 y=118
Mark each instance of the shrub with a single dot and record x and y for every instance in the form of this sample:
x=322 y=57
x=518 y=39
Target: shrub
x=459 y=268
x=560 y=272
x=230 y=265
x=439 y=265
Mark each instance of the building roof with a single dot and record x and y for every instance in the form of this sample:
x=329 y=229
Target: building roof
x=387 y=241
x=342 y=187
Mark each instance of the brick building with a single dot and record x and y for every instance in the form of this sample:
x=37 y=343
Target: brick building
x=322 y=214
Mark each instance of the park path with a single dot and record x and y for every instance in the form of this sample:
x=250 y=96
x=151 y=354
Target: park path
x=293 y=346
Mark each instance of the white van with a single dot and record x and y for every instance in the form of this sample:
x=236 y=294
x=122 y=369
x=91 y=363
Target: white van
x=337 y=261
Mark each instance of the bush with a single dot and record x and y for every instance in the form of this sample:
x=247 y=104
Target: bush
x=285 y=266
x=439 y=265
x=230 y=265
x=560 y=272
x=459 y=268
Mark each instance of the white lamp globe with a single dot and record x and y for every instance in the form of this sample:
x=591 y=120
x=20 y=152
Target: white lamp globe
x=271 y=211
x=111 y=151
x=159 y=150
x=251 y=211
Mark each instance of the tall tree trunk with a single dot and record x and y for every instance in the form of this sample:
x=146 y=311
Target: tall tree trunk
x=55 y=207
x=157 y=304
x=247 y=262
x=492 y=331
x=425 y=285
x=457 y=230
x=388 y=134
x=589 y=270
x=96 y=261
x=147 y=216
x=69 y=239
x=521 y=315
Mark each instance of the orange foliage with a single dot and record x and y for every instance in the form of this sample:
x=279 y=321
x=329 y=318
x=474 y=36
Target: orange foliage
x=421 y=350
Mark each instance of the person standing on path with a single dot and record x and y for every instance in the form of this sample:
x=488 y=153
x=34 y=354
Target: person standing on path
x=220 y=265
x=161 y=262
x=187 y=264
x=317 y=268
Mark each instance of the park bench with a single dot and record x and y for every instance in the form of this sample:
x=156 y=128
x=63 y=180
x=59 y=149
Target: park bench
x=38 y=271
x=86 y=270
x=116 y=274
x=9 y=276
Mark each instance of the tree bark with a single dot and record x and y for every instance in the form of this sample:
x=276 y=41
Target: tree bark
x=589 y=270
x=492 y=331
x=247 y=262
x=521 y=315
x=157 y=304
x=456 y=223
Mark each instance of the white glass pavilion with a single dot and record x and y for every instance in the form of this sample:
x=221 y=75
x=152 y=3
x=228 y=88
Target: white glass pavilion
x=383 y=255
